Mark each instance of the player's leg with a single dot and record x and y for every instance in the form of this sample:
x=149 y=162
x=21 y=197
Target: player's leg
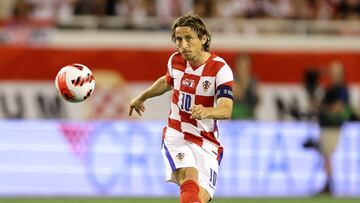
x=207 y=166
x=180 y=164
x=183 y=161
x=204 y=195
x=184 y=176
x=187 y=178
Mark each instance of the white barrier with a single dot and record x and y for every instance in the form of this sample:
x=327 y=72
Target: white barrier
x=230 y=41
x=117 y=158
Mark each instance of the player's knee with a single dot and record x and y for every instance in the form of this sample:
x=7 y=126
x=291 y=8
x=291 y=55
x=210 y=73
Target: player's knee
x=184 y=174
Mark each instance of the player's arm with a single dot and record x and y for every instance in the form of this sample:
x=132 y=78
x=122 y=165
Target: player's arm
x=223 y=109
x=158 y=88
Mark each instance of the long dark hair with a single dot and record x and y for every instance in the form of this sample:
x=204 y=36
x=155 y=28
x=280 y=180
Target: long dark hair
x=196 y=24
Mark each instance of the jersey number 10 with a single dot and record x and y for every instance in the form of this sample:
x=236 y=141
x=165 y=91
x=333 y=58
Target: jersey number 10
x=213 y=177
x=185 y=102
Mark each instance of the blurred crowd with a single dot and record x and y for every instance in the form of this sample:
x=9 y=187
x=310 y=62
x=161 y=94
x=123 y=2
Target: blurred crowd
x=165 y=10
x=22 y=21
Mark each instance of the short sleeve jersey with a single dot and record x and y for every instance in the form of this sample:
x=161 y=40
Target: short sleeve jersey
x=194 y=86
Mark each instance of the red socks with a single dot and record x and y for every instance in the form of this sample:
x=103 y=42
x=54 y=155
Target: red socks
x=189 y=192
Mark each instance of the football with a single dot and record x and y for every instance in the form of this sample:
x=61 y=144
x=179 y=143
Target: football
x=75 y=82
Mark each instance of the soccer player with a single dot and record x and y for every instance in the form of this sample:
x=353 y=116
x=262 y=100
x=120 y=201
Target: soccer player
x=201 y=84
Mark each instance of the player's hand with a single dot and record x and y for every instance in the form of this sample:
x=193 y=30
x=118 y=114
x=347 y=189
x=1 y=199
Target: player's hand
x=198 y=112
x=138 y=105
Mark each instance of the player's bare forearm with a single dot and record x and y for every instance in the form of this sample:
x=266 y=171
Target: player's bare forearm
x=222 y=111
x=158 y=88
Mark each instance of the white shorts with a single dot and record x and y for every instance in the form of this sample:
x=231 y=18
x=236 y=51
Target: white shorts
x=180 y=153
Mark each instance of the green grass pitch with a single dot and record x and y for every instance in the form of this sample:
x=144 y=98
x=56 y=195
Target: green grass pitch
x=321 y=199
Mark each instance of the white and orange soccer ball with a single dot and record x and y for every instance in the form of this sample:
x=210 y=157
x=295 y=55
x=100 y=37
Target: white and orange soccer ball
x=75 y=82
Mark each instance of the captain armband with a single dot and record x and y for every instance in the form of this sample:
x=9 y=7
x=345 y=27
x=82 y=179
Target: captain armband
x=224 y=91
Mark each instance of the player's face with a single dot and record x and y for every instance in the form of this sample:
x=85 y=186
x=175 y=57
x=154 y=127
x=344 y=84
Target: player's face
x=188 y=43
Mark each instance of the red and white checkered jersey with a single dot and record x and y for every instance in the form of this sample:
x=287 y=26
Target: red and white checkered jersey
x=195 y=85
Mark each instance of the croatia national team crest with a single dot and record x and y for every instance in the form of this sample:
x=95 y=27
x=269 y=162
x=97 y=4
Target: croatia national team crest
x=206 y=85
x=180 y=156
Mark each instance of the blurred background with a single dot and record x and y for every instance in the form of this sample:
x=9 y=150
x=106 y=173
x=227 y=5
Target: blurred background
x=294 y=132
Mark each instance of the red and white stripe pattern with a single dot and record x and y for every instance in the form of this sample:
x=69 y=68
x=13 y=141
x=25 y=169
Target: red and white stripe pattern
x=195 y=85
